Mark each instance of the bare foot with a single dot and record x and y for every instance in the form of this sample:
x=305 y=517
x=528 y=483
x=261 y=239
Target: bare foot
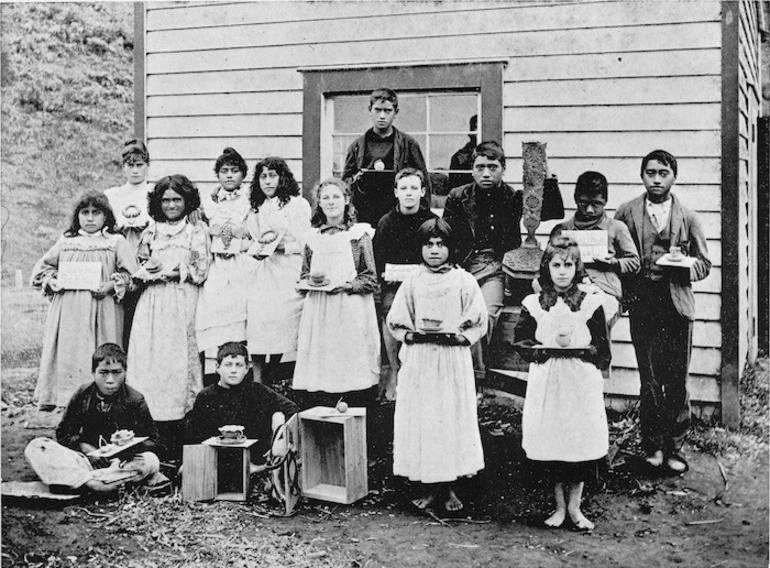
x=453 y=503
x=423 y=502
x=579 y=520
x=556 y=520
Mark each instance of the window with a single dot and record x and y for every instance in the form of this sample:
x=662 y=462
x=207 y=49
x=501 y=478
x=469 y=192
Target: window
x=436 y=103
x=441 y=122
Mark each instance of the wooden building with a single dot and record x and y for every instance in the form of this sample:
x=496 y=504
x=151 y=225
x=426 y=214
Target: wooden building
x=603 y=83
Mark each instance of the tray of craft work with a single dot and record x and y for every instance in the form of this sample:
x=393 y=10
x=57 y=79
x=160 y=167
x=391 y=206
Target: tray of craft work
x=676 y=262
x=113 y=449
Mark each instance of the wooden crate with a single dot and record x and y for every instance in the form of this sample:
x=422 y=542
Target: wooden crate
x=333 y=454
x=215 y=471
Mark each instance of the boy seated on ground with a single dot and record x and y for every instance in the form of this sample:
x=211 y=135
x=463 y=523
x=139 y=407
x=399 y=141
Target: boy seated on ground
x=231 y=401
x=97 y=412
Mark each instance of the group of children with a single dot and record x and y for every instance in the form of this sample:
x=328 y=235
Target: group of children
x=236 y=279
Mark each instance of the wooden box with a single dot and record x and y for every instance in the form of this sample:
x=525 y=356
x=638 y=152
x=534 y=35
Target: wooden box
x=333 y=454
x=216 y=471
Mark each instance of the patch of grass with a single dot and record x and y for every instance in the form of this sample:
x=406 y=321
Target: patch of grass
x=67 y=106
x=752 y=438
x=24 y=314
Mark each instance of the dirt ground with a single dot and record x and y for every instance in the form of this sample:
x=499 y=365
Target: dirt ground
x=641 y=520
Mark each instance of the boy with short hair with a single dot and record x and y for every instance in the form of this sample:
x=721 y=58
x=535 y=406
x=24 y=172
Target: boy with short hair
x=381 y=148
x=396 y=242
x=590 y=198
x=662 y=307
x=96 y=411
x=256 y=407
x=486 y=217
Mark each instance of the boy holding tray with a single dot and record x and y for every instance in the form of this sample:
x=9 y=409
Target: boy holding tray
x=102 y=417
x=254 y=406
x=396 y=247
x=661 y=306
x=620 y=255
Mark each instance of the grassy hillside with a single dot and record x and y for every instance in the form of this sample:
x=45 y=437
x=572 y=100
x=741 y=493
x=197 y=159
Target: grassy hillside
x=67 y=105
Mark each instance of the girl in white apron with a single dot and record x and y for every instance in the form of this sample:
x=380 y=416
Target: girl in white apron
x=338 y=351
x=562 y=332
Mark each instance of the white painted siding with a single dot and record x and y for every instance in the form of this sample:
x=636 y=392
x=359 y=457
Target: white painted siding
x=602 y=82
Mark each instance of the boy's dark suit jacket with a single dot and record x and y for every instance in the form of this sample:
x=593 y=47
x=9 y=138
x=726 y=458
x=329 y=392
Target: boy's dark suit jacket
x=686 y=230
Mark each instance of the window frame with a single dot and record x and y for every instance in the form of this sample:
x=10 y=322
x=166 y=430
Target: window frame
x=320 y=84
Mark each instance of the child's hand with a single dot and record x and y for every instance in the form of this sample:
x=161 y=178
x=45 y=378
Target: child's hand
x=409 y=338
x=194 y=217
x=346 y=287
x=103 y=290
x=590 y=355
x=54 y=286
x=539 y=355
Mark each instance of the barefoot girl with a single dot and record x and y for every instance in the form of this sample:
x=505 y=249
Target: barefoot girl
x=80 y=320
x=338 y=350
x=221 y=312
x=563 y=333
x=175 y=259
x=274 y=306
x=438 y=313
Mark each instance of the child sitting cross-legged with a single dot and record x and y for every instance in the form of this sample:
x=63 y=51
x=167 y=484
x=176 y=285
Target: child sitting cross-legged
x=233 y=401
x=104 y=411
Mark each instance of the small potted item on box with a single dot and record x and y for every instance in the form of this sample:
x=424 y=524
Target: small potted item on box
x=231 y=434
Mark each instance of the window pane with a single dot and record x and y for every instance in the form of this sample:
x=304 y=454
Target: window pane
x=412 y=114
x=340 y=150
x=452 y=113
x=442 y=147
x=351 y=114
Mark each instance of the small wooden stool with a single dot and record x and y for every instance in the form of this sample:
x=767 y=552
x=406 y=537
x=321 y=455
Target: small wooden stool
x=216 y=471
x=333 y=454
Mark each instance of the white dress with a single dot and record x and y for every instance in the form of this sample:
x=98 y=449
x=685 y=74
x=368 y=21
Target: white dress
x=129 y=204
x=221 y=312
x=274 y=306
x=162 y=351
x=338 y=349
x=78 y=323
x=564 y=417
x=436 y=434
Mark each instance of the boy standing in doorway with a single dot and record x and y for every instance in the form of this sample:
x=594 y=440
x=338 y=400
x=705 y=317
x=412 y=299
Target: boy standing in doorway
x=382 y=148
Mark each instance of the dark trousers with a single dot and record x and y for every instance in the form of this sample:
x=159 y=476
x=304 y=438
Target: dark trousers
x=663 y=342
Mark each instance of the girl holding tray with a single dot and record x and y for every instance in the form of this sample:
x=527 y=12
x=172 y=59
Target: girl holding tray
x=82 y=315
x=438 y=313
x=278 y=223
x=175 y=261
x=562 y=332
x=338 y=350
x=221 y=311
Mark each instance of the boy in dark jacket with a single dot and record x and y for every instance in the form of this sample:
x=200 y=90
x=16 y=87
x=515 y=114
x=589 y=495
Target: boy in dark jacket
x=95 y=414
x=382 y=148
x=396 y=243
x=256 y=407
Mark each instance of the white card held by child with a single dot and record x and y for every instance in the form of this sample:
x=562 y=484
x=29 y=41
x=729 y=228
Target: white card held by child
x=80 y=275
x=593 y=243
x=399 y=272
